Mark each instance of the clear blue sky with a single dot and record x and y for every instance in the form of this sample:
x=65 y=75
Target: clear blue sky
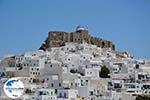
x=24 y=24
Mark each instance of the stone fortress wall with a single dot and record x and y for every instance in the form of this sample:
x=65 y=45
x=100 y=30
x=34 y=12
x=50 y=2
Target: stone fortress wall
x=59 y=38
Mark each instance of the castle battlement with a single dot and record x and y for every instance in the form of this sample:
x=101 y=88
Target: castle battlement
x=59 y=38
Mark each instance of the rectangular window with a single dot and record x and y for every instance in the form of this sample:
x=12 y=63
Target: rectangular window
x=52 y=85
x=59 y=84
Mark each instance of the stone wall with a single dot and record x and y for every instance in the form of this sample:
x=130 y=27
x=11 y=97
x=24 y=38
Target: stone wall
x=59 y=38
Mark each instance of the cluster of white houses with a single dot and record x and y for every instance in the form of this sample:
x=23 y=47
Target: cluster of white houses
x=71 y=72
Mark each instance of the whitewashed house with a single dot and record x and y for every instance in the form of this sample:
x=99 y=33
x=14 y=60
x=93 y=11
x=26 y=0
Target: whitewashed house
x=45 y=94
x=67 y=93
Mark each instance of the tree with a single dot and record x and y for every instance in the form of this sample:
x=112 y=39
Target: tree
x=81 y=74
x=104 y=72
x=28 y=91
x=56 y=91
x=73 y=71
x=140 y=97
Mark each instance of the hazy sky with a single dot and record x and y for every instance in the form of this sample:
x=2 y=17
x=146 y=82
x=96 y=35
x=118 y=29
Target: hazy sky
x=24 y=24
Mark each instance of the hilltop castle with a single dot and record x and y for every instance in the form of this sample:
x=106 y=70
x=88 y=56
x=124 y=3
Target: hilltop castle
x=59 y=38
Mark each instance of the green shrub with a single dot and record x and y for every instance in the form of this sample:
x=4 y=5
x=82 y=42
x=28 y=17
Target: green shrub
x=104 y=72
